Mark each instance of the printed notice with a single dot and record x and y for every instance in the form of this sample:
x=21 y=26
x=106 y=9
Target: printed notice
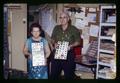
x=38 y=57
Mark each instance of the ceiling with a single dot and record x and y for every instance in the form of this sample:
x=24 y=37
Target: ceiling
x=37 y=7
x=88 y=5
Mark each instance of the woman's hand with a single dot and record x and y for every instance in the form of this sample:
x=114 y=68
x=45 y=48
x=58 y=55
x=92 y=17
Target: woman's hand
x=69 y=47
x=55 y=45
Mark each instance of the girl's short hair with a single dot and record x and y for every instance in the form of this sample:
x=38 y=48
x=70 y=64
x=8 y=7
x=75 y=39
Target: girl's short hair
x=42 y=34
x=35 y=25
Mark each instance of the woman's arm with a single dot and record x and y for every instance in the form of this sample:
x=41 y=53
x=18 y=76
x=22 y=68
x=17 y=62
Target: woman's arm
x=47 y=50
x=25 y=51
x=73 y=45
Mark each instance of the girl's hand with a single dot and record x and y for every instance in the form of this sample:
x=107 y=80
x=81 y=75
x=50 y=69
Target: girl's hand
x=27 y=55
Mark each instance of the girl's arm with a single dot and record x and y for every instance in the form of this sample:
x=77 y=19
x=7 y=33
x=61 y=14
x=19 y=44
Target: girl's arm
x=47 y=50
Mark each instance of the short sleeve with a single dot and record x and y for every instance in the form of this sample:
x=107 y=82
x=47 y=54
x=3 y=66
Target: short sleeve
x=76 y=34
x=54 y=33
x=45 y=42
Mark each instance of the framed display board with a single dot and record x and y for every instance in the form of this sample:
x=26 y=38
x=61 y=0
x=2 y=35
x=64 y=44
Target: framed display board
x=93 y=15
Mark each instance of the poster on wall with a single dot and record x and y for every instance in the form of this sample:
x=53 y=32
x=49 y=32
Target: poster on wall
x=91 y=17
x=80 y=23
x=94 y=30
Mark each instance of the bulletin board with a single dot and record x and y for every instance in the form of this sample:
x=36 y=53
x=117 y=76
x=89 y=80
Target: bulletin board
x=93 y=15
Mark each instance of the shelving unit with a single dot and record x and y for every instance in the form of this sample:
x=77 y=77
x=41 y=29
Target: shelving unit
x=106 y=47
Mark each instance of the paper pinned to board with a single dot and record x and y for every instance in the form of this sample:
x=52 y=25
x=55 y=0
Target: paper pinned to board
x=92 y=9
x=81 y=22
x=94 y=30
x=91 y=17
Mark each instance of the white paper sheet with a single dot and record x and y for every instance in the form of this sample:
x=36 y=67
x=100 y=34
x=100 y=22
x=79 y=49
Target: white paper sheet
x=92 y=9
x=81 y=22
x=91 y=17
x=38 y=57
x=61 y=50
x=94 y=30
x=111 y=19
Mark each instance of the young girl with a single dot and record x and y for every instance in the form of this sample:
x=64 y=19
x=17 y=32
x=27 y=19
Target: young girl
x=36 y=71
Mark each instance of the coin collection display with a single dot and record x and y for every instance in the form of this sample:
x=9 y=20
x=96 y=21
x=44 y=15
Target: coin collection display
x=61 y=50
